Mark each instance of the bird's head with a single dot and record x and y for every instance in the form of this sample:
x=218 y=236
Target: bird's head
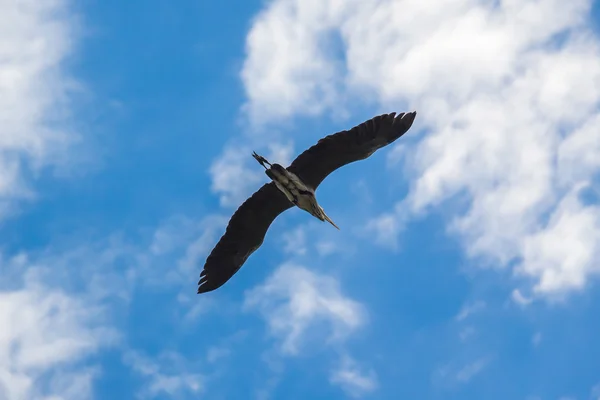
x=278 y=168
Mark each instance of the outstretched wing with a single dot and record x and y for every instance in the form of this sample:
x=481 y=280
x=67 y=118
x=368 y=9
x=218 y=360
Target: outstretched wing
x=244 y=234
x=339 y=149
x=249 y=224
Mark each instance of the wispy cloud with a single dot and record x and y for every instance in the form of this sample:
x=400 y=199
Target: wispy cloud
x=187 y=241
x=49 y=331
x=36 y=38
x=519 y=298
x=295 y=241
x=453 y=373
x=466 y=373
x=169 y=374
x=114 y=265
x=564 y=253
x=48 y=336
x=384 y=230
x=305 y=310
x=61 y=306
x=298 y=303
x=310 y=239
x=470 y=309
x=235 y=174
x=302 y=76
x=232 y=177
x=353 y=379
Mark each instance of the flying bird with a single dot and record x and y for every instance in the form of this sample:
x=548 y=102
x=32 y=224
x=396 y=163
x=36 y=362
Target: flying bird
x=295 y=185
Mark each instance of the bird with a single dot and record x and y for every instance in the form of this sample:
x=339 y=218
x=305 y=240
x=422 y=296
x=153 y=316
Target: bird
x=294 y=189
x=295 y=186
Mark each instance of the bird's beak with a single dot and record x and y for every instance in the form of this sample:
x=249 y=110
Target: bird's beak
x=329 y=219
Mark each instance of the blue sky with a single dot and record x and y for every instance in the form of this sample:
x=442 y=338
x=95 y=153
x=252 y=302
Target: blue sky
x=466 y=265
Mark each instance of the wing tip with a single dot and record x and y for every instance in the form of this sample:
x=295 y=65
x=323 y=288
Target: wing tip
x=407 y=115
x=402 y=116
x=204 y=288
x=406 y=118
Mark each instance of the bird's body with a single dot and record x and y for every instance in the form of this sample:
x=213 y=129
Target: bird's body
x=295 y=185
x=294 y=189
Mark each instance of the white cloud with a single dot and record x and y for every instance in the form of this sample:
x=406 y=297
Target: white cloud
x=295 y=241
x=384 y=230
x=310 y=238
x=54 y=306
x=566 y=251
x=46 y=335
x=201 y=238
x=216 y=353
x=301 y=76
x=452 y=374
x=298 y=304
x=519 y=298
x=36 y=37
x=354 y=380
x=326 y=248
x=281 y=153
x=470 y=309
x=233 y=178
x=466 y=373
x=172 y=255
x=508 y=91
x=48 y=331
x=109 y=270
x=236 y=175
x=73 y=385
x=304 y=309
x=169 y=374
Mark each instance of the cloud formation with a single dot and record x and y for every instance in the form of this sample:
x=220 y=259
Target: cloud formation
x=303 y=310
x=235 y=174
x=170 y=374
x=48 y=333
x=353 y=379
x=36 y=38
x=47 y=336
x=295 y=300
x=507 y=94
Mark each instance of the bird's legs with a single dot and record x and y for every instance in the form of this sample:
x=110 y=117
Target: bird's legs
x=261 y=160
x=328 y=219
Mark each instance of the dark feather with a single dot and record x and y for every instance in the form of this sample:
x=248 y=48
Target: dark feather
x=249 y=224
x=244 y=234
x=339 y=149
